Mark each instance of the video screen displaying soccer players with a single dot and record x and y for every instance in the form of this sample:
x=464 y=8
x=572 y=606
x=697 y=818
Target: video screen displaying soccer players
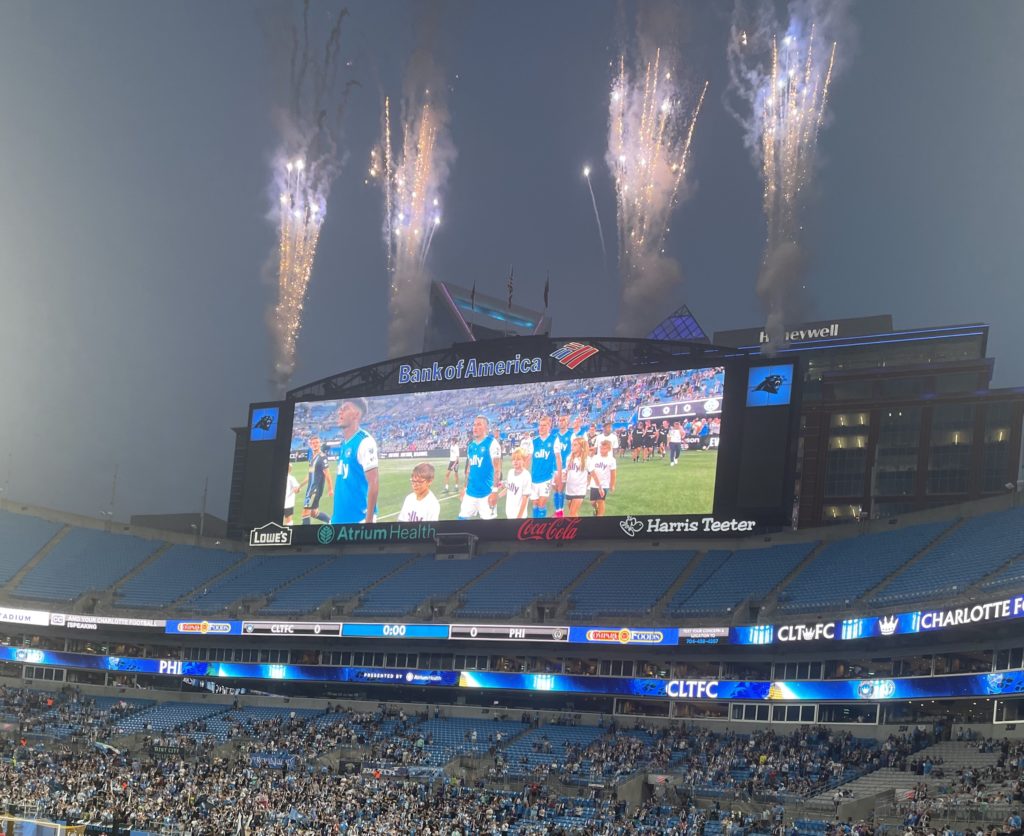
x=632 y=444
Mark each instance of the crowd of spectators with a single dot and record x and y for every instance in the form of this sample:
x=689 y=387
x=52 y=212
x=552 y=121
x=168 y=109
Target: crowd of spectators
x=993 y=791
x=424 y=421
x=67 y=712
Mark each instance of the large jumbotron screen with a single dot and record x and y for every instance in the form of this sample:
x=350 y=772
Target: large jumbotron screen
x=524 y=451
x=529 y=439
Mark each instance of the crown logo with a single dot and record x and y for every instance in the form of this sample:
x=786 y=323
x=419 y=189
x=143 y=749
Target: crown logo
x=888 y=625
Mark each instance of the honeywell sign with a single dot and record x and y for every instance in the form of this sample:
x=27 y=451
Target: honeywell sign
x=829 y=329
x=801 y=334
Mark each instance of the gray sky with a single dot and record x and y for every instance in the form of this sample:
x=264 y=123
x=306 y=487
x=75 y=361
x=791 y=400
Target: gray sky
x=135 y=141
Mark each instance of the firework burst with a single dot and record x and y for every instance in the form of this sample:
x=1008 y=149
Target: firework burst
x=650 y=135
x=412 y=182
x=783 y=83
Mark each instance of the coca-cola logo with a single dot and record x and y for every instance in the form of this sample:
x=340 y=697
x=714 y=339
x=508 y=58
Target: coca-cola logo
x=559 y=528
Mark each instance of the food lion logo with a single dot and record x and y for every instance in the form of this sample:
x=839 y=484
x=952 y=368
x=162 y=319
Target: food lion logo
x=888 y=625
x=625 y=635
x=571 y=355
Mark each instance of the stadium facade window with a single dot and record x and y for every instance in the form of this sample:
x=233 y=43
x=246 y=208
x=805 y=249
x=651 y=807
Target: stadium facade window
x=953 y=663
x=885 y=510
x=949 y=458
x=853 y=390
x=793 y=713
x=959 y=383
x=847 y=454
x=996 y=465
x=750 y=713
x=847 y=713
x=747 y=670
x=1010 y=658
x=701 y=710
x=838 y=514
x=899 y=434
x=798 y=670
x=901 y=387
x=1009 y=711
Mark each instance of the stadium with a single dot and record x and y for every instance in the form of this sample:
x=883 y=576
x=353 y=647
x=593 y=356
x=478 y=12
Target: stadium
x=534 y=676
x=494 y=537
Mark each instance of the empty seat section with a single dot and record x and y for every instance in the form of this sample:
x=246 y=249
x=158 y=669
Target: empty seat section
x=846 y=569
x=342 y=578
x=742 y=574
x=978 y=547
x=453 y=736
x=20 y=538
x=253 y=579
x=1012 y=575
x=85 y=559
x=168 y=716
x=426 y=578
x=521 y=579
x=177 y=571
x=702 y=571
x=628 y=583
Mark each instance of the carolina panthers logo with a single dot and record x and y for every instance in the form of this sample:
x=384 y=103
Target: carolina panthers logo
x=771 y=384
x=265 y=422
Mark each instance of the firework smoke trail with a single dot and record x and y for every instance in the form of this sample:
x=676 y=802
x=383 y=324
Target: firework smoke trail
x=305 y=166
x=412 y=182
x=597 y=215
x=784 y=85
x=650 y=134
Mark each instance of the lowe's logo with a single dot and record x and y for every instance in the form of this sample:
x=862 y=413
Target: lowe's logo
x=271 y=534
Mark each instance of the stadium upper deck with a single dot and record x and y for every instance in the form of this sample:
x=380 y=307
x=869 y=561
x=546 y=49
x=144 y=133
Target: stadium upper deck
x=975 y=552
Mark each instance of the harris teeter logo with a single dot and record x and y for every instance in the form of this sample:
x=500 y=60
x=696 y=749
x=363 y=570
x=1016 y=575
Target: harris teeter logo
x=571 y=355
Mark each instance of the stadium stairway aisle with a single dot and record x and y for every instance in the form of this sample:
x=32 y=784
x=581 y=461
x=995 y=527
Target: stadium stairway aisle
x=255 y=578
x=503 y=594
x=627 y=583
x=425 y=579
x=175 y=572
x=845 y=569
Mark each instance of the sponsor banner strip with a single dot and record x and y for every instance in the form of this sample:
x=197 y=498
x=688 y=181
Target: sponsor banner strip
x=697 y=690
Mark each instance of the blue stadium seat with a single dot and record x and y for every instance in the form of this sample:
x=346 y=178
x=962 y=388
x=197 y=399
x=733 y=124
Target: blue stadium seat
x=978 y=547
x=177 y=571
x=523 y=578
x=21 y=536
x=730 y=578
x=424 y=579
x=628 y=583
x=85 y=559
x=340 y=579
x=846 y=569
x=252 y=579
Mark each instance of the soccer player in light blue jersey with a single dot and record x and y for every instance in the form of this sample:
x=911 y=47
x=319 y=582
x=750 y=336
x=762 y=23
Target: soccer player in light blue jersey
x=355 y=489
x=564 y=439
x=483 y=474
x=545 y=464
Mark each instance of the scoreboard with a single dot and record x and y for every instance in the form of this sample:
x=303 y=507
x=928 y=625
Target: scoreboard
x=333 y=463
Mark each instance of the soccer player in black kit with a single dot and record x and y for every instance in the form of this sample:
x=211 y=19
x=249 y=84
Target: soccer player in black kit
x=317 y=479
